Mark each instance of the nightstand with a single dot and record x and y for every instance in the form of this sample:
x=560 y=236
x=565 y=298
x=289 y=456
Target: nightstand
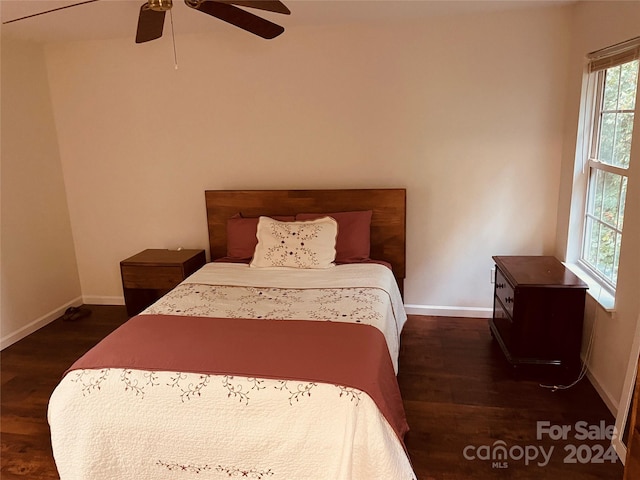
x=538 y=310
x=150 y=274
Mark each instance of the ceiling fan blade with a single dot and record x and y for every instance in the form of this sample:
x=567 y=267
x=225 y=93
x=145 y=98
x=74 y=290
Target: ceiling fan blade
x=49 y=11
x=150 y=24
x=241 y=19
x=268 y=5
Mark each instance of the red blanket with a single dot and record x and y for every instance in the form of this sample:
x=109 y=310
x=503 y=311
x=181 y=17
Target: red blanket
x=346 y=354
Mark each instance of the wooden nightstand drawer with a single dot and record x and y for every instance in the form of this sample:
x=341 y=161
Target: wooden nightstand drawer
x=504 y=292
x=503 y=324
x=150 y=274
x=151 y=277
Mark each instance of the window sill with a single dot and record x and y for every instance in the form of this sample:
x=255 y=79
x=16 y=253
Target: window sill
x=596 y=291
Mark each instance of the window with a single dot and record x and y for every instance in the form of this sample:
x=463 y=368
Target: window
x=613 y=85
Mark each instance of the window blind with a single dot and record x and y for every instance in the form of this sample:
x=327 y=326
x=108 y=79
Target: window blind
x=615 y=55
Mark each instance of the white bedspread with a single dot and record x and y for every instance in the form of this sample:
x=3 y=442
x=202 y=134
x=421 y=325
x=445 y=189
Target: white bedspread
x=124 y=424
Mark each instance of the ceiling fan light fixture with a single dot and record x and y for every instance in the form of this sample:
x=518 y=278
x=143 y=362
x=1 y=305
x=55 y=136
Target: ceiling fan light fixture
x=193 y=3
x=160 y=5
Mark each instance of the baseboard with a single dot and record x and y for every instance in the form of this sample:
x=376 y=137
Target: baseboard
x=37 y=323
x=449 y=311
x=619 y=447
x=609 y=401
x=102 y=300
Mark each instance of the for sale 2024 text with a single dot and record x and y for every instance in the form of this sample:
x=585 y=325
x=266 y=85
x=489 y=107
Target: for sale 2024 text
x=583 y=451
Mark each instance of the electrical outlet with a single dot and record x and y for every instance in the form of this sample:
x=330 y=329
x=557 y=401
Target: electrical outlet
x=493 y=274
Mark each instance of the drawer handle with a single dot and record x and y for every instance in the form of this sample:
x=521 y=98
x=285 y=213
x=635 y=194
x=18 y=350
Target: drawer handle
x=500 y=285
x=508 y=300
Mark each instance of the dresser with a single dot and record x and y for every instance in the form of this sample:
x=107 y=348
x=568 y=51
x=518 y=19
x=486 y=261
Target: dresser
x=538 y=311
x=151 y=273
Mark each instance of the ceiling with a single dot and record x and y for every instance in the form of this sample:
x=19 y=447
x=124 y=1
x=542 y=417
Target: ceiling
x=105 y=19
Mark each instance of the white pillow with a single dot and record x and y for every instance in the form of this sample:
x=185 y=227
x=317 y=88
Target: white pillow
x=305 y=244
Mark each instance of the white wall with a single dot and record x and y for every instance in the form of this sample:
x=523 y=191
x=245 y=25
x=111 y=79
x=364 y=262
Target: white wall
x=39 y=270
x=597 y=25
x=462 y=111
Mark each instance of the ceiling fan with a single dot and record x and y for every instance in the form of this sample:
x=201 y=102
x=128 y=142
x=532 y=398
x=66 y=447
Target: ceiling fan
x=152 y=13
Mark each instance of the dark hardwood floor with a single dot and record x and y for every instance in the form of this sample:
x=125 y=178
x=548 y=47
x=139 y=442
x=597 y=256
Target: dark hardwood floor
x=460 y=398
x=460 y=393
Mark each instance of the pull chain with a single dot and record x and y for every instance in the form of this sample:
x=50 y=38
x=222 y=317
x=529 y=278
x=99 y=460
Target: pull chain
x=173 y=38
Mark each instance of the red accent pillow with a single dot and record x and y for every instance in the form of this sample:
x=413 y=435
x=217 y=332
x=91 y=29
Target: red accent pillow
x=353 y=244
x=241 y=236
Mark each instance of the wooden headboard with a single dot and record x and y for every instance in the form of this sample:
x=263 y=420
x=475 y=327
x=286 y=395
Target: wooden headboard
x=388 y=232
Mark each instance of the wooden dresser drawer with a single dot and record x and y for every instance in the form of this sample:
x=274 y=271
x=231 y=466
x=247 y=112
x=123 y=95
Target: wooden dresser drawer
x=504 y=292
x=157 y=277
x=503 y=323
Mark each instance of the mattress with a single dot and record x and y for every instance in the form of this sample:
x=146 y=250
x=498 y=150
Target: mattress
x=109 y=423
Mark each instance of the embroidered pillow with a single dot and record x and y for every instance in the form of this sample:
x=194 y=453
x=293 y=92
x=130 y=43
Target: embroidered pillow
x=353 y=244
x=241 y=237
x=310 y=244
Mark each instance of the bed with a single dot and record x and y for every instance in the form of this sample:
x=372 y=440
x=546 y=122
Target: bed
x=277 y=366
